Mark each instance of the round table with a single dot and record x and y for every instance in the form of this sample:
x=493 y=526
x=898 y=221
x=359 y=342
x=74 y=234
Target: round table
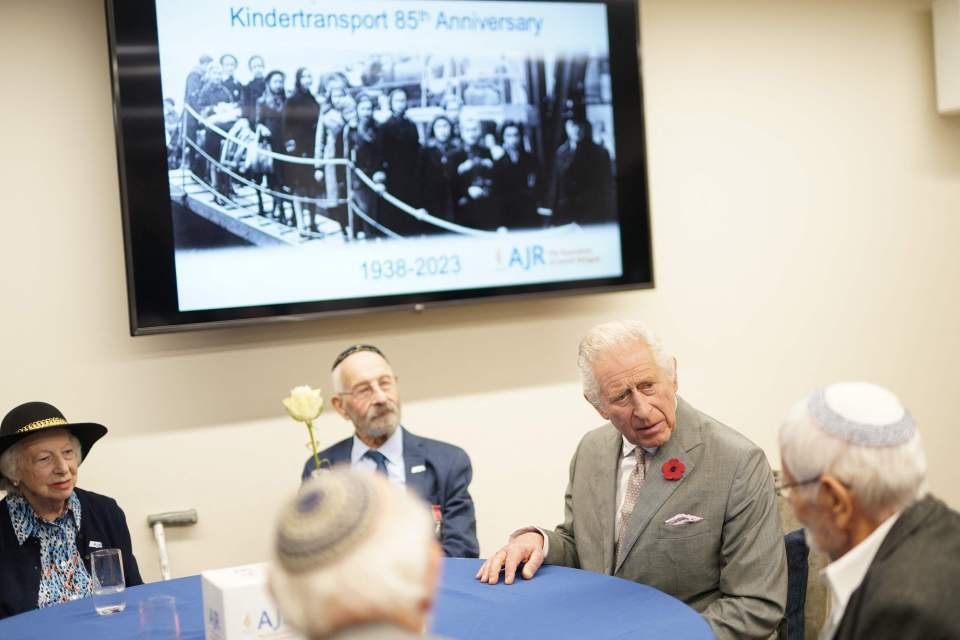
x=557 y=603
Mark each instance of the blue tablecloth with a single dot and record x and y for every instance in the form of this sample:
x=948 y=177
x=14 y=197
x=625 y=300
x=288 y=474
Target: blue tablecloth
x=557 y=603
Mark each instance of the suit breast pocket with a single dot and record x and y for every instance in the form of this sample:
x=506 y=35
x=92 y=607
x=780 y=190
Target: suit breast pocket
x=683 y=531
x=693 y=550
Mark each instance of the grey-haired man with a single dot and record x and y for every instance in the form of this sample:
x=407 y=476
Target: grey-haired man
x=663 y=495
x=341 y=570
x=854 y=472
x=368 y=395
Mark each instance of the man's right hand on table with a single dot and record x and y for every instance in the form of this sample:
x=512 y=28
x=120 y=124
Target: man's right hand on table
x=526 y=548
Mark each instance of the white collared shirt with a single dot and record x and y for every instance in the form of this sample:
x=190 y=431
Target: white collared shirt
x=845 y=574
x=628 y=461
x=392 y=450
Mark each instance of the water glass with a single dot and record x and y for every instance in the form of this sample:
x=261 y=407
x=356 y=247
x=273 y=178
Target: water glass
x=159 y=619
x=108 y=582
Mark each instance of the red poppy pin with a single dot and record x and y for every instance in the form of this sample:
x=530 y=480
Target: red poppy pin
x=673 y=469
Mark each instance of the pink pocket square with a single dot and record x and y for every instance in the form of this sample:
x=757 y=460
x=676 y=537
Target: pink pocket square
x=681 y=519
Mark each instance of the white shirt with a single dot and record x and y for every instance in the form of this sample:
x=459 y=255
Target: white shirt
x=392 y=450
x=845 y=574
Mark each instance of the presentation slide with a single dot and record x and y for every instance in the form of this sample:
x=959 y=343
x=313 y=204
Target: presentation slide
x=343 y=149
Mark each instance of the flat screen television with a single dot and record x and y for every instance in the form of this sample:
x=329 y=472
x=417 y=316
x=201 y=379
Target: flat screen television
x=286 y=159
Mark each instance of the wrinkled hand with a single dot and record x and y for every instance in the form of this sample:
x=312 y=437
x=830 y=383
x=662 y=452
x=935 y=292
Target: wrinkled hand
x=526 y=547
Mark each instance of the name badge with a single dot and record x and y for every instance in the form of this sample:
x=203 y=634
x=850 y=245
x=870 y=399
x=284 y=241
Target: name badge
x=418 y=468
x=95 y=544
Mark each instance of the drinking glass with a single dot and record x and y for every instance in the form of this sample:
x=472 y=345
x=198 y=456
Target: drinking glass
x=108 y=582
x=159 y=619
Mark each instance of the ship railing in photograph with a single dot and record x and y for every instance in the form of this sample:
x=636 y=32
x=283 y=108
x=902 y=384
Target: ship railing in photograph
x=354 y=210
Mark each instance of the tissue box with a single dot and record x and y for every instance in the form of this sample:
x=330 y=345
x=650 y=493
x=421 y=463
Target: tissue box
x=236 y=606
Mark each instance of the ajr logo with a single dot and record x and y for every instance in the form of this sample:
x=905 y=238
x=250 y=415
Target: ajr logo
x=265 y=621
x=526 y=257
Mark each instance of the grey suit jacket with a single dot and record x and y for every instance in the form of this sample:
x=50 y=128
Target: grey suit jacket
x=731 y=566
x=910 y=590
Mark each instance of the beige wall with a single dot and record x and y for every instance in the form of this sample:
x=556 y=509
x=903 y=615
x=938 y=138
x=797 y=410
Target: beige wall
x=804 y=196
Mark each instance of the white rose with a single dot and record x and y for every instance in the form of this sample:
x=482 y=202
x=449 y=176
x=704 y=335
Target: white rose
x=304 y=403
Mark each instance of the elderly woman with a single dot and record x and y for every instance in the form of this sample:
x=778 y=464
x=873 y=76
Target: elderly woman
x=49 y=527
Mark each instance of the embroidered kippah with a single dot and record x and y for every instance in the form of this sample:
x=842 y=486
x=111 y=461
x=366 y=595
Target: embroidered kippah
x=861 y=413
x=332 y=514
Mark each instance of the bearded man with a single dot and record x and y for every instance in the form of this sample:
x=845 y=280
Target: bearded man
x=367 y=394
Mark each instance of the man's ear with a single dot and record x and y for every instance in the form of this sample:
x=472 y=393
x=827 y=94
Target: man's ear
x=336 y=402
x=603 y=414
x=838 y=500
x=675 y=384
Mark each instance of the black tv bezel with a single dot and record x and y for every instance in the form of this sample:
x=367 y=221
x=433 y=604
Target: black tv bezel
x=145 y=193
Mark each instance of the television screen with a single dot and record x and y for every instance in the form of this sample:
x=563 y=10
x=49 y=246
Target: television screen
x=301 y=157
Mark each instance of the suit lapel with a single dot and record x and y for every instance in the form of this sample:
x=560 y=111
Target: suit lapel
x=911 y=518
x=413 y=457
x=340 y=452
x=603 y=486
x=657 y=489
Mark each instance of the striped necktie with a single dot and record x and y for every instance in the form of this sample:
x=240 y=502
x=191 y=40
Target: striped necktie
x=634 y=483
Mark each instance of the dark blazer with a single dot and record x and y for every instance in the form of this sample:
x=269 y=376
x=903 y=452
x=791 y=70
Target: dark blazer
x=910 y=590
x=445 y=481
x=101 y=520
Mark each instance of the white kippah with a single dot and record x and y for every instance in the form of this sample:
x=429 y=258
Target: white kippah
x=861 y=413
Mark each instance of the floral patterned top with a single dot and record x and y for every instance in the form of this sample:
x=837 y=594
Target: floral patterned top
x=63 y=576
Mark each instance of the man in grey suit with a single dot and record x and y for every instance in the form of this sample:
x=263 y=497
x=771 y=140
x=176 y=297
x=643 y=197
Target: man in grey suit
x=854 y=472
x=663 y=494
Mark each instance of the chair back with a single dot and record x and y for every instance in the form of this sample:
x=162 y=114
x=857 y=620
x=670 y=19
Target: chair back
x=797 y=568
x=814 y=606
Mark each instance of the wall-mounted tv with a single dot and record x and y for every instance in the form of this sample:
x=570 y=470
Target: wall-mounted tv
x=285 y=159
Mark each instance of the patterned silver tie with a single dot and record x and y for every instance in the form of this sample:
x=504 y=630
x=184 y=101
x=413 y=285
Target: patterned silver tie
x=634 y=483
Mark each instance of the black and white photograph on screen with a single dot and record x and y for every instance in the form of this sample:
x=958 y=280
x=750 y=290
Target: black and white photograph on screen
x=392 y=145
x=466 y=132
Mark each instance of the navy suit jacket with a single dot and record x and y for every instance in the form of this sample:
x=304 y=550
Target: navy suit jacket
x=445 y=481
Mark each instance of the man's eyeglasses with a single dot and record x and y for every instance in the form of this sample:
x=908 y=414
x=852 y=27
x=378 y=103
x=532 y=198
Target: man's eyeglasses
x=356 y=348
x=365 y=391
x=785 y=489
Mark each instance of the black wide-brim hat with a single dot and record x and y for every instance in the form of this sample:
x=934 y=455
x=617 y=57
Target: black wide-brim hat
x=32 y=418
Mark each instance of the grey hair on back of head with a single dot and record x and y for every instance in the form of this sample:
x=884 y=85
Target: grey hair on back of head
x=383 y=577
